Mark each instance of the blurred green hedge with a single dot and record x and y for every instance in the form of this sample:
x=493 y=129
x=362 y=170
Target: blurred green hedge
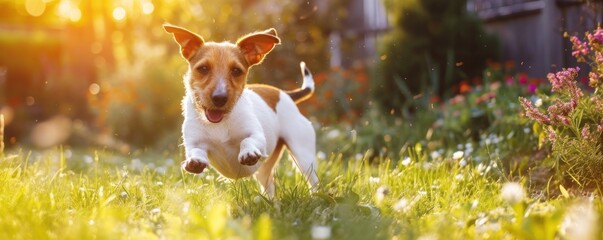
x=434 y=44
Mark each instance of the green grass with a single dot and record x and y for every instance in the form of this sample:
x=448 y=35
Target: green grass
x=69 y=194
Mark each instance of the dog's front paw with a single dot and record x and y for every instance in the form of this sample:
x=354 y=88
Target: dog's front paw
x=250 y=156
x=194 y=165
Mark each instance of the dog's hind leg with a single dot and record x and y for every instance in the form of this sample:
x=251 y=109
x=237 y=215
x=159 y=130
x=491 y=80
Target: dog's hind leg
x=265 y=175
x=302 y=145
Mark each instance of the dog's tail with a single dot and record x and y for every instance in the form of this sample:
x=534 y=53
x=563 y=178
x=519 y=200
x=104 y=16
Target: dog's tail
x=303 y=93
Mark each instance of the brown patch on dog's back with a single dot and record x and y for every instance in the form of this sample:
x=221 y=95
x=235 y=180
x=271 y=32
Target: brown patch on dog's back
x=269 y=94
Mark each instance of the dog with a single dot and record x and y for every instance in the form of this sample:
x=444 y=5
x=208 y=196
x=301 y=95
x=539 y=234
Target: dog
x=241 y=129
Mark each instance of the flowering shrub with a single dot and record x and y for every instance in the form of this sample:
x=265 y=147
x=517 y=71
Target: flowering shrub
x=484 y=114
x=341 y=95
x=573 y=121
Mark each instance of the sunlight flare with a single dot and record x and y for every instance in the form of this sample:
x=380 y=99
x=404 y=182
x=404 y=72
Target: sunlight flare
x=119 y=13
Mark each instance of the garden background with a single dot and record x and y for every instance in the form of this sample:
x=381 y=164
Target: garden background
x=424 y=110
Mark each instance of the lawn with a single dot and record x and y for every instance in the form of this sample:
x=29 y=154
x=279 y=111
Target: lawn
x=89 y=194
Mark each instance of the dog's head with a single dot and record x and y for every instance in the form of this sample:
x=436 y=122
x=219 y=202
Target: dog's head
x=218 y=71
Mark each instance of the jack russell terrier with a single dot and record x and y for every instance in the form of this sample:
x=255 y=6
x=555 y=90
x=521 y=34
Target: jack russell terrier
x=232 y=126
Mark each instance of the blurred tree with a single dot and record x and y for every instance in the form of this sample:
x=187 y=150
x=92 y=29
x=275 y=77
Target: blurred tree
x=140 y=96
x=434 y=44
x=118 y=71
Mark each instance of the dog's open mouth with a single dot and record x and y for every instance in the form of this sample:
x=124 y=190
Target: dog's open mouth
x=214 y=116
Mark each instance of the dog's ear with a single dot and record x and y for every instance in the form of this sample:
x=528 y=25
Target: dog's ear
x=256 y=45
x=189 y=42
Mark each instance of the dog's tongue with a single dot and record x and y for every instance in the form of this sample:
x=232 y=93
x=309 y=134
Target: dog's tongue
x=214 y=116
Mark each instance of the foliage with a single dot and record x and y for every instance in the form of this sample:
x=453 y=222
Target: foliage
x=341 y=96
x=80 y=194
x=433 y=45
x=476 y=122
x=573 y=121
x=141 y=105
x=96 y=53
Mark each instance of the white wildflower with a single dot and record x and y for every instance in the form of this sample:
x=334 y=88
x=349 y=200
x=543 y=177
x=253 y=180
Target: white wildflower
x=512 y=192
x=474 y=204
x=463 y=163
x=458 y=155
x=404 y=205
x=381 y=193
x=321 y=232
x=468 y=146
x=538 y=102
x=155 y=211
x=406 y=161
x=186 y=207
x=374 y=179
x=321 y=155
x=435 y=155
x=580 y=222
x=333 y=134
x=88 y=159
x=401 y=205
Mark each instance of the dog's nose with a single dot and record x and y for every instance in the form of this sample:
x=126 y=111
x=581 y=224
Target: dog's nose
x=219 y=99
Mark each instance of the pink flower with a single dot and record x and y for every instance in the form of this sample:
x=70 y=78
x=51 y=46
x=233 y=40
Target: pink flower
x=560 y=111
x=533 y=113
x=586 y=133
x=599 y=58
x=593 y=79
x=510 y=80
x=564 y=81
x=552 y=135
x=532 y=88
x=595 y=38
x=580 y=48
x=523 y=78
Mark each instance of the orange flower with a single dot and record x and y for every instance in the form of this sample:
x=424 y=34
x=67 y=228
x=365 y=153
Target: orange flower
x=464 y=87
x=509 y=65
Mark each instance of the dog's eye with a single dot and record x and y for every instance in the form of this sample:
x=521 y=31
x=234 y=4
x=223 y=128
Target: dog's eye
x=203 y=69
x=236 y=72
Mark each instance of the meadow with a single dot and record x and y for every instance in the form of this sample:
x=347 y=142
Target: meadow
x=95 y=194
x=66 y=195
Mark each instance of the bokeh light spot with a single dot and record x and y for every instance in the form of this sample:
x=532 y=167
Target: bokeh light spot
x=119 y=13
x=30 y=100
x=94 y=88
x=75 y=14
x=35 y=7
x=148 y=8
x=69 y=11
